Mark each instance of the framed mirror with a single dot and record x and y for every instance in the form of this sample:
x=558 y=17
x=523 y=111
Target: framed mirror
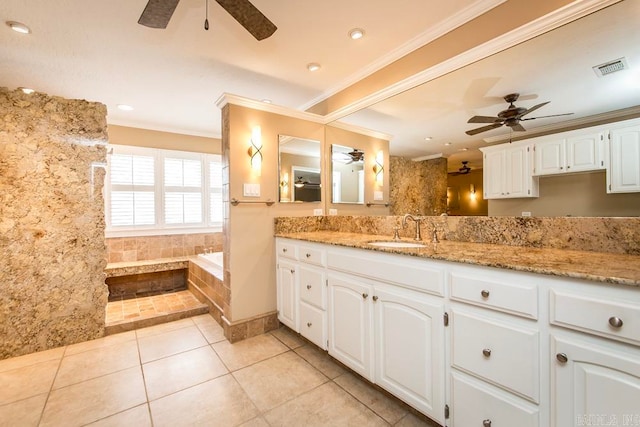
x=347 y=175
x=299 y=165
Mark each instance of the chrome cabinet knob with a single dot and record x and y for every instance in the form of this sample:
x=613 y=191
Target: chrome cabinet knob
x=292 y=271
x=308 y=255
x=486 y=352
x=486 y=423
x=364 y=295
x=308 y=324
x=484 y=293
x=375 y=298
x=284 y=249
x=308 y=286
x=616 y=322
x=562 y=358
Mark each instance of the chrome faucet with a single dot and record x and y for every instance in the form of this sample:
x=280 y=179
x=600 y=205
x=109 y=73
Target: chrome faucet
x=434 y=239
x=415 y=219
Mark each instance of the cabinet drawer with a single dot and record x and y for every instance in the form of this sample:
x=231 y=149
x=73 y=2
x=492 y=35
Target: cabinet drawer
x=286 y=249
x=595 y=314
x=497 y=294
x=476 y=404
x=501 y=353
x=312 y=255
x=313 y=325
x=312 y=286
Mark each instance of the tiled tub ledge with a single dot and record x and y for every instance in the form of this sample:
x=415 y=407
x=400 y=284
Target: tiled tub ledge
x=129 y=268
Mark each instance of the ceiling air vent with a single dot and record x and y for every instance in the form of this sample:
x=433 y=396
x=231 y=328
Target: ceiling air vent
x=611 y=67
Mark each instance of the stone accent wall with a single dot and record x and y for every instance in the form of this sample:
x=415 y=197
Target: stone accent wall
x=417 y=187
x=144 y=248
x=611 y=235
x=52 y=283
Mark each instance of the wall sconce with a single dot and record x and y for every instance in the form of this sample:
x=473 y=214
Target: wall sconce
x=255 y=150
x=472 y=191
x=284 y=184
x=378 y=168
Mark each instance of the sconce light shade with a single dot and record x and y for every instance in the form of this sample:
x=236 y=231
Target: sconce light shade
x=378 y=168
x=472 y=191
x=255 y=150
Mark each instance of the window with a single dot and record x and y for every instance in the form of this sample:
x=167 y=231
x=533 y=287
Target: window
x=152 y=191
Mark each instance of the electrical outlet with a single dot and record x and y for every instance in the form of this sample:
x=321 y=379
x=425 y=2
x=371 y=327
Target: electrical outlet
x=333 y=211
x=318 y=212
x=378 y=195
x=526 y=213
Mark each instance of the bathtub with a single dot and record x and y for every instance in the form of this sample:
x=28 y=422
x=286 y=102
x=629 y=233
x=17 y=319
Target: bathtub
x=213 y=260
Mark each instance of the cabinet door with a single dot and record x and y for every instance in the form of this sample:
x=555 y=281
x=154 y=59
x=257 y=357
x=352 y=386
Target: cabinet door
x=597 y=385
x=549 y=157
x=583 y=152
x=493 y=175
x=287 y=298
x=517 y=180
x=409 y=338
x=623 y=175
x=350 y=319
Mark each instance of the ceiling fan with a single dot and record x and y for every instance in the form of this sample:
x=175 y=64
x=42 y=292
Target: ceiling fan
x=511 y=117
x=355 y=155
x=157 y=14
x=465 y=169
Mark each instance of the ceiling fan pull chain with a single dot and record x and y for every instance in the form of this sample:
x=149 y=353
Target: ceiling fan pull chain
x=206 y=16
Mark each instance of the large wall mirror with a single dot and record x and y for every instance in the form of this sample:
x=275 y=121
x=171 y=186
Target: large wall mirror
x=347 y=174
x=300 y=169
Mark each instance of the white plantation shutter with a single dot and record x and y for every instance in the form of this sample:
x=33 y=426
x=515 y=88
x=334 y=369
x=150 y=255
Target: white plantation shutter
x=182 y=191
x=132 y=190
x=215 y=190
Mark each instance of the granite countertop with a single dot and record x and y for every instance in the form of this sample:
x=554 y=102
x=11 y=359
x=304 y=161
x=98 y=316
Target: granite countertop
x=597 y=266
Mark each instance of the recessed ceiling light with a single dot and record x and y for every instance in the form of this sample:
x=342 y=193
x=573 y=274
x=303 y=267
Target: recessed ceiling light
x=266 y=101
x=125 y=107
x=464 y=149
x=356 y=33
x=428 y=138
x=447 y=143
x=26 y=90
x=19 y=27
x=313 y=66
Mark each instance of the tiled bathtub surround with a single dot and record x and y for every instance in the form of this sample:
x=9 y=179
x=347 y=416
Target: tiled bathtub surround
x=611 y=235
x=144 y=248
x=51 y=222
x=147 y=284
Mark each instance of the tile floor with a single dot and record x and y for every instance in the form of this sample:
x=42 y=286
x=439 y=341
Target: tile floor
x=185 y=373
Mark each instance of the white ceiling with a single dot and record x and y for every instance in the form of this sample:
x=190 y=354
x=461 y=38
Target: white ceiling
x=95 y=50
x=555 y=67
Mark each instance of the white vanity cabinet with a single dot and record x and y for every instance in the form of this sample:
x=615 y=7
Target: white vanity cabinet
x=507 y=172
x=287 y=284
x=623 y=170
x=574 y=152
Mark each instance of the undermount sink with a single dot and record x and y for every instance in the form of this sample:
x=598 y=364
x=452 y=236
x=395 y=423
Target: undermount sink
x=398 y=244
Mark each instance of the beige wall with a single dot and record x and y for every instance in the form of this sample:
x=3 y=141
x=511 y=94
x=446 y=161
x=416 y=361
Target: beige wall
x=571 y=195
x=122 y=135
x=468 y=205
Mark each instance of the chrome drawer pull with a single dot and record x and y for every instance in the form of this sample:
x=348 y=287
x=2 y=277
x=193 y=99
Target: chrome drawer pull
x=562 y=358
x=616 y=322
x=308 y=324
x=486 y=352
x=308 y=286
x=484 y=293
x=375 y=298
x=308 y=255
x=364 y=296
x=486 y=423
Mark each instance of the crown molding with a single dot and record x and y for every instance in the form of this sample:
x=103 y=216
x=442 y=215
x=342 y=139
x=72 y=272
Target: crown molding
x=227 y=98
x=361 y=130
x=429 y=157
x=555 y=19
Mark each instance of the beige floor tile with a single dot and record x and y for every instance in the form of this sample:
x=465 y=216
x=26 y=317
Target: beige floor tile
x=164 y=327
x=94 y=399
x=249 y=351
x=134 y=417
x=95 y=363
x=31 y=359
x=174 y=373
x=386 y=407
x=27 y=381
x=256 y=422
x=320 y=360
x=24 y=413
x=220 y=402
x=288 y=337
x=100 y=343
x=411 y=420
x=274 y=381
x=211 y=330
x=327 y=405
x=169 y=343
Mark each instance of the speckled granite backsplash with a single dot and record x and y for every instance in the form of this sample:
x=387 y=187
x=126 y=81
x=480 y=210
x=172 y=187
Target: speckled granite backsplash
x=612 y=235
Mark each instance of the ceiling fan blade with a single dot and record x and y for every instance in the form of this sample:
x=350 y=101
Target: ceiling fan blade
x=249 y=17
x=544 y=117
x=534 y=108
x=518 y=128
x=157 y=13
x=484 y=119
x=483 y=129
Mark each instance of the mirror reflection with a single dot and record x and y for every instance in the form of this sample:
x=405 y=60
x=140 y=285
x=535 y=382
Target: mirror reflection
x=347 y=175
x=299 y=169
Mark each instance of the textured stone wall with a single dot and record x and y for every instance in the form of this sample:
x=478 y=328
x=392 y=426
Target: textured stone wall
x=52 y=248
x=418 y=187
